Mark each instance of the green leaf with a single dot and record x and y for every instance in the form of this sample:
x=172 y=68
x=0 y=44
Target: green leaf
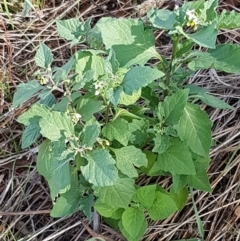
x=86 y=204
x=162 y=18
x=138 y=130
x=100 y=170
x=128 y=157
x=179 y=182
x=106 y=210
x=172 y=106
x=52 y=123
x=184 y=47
x=68 y=202
x=69 y=29
x=126 y=99
x=25 y=91
x=138 y=77
x=176 y=159
x=214 y=102
x=117 y=130
x=54 y=166
x=195 y=128
x=145 y=195
x=180 y=197
x=44 y=56
x=87 y=107
x=134 y=222
x=229 y=20
x=163 y=206
x=87 y=76
x=89 y=135
x=223 y=58
x=200 y=181
x=131 y=42
x=31 y=133
x=117 y=195
x=205 y=37
x=161 y=143
x=151 y=157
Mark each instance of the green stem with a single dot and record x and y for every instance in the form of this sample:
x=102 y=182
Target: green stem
x=107 y=113
x=170 y=68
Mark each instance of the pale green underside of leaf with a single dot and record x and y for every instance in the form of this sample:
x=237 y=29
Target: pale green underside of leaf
x=163 y=206
x=195 y=128
x=54 y=167
x=118 y=195
x=25 y=91
x=100 y=170
x=44 y=56
x=128 y=157
x=117 y=130
x=134 y=222
x=139 y=77
x=224 y=58
x=229 y=20
x=176 y=160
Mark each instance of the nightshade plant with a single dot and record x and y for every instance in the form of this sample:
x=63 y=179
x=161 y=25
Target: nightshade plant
x=126 y=111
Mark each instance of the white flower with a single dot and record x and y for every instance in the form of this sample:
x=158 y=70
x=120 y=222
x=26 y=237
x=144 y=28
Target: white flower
x=192 y=16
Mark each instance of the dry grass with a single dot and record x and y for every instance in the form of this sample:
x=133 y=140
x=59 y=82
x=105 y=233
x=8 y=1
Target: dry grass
x=24 y=196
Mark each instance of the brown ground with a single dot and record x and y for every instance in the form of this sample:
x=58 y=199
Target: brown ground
x=24 y=196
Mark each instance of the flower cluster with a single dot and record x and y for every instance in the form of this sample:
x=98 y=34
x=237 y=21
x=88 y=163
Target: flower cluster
x=193 y=20
x=99 y=86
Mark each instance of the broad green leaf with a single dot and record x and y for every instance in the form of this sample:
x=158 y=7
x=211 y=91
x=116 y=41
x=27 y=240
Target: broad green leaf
x=138 y=77
x=87 y=107
x=223 y=58
x=128 y=157
x=172 y=106
x=205 y=37
x=200 y=181
x=114 y=95
x=68 y=202
x=134 y=222
x=31 y=133
x=138 y=130
x=48 y=100
x=184 y=47
x=89 y=135
x=145 y=195
x=163 y=206
x=69 y=29
x=195 y=128
x=52 y=123
x=117 y=130
x=161 y=143
x=180 y=197
x=100 y=170
x=54 y=166
x=229 y=20
x=25 y=91
x=117 y=195
x=131 y=42
x=105 y=210
x=214 y=102
x=113 y=61
x=176 y=159
x=179 y=182
x=90 y=60
x=162 y=18
x=43 y=57
x=151 y=157
x=86 y=205
x=82 y=80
